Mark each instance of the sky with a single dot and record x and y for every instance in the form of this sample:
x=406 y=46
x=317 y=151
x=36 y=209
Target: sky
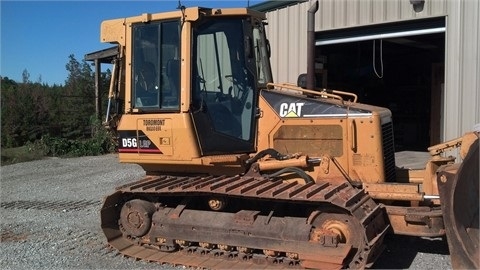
x=39 y=36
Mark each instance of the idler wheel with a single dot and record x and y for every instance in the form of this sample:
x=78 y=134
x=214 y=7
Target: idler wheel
x=332 y=229
x=136 y=217
x=343 y=226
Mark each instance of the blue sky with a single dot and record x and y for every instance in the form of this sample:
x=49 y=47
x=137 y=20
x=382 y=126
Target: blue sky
x=40 y=35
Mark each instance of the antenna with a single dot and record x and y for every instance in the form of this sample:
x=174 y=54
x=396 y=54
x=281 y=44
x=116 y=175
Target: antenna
x=180 y=6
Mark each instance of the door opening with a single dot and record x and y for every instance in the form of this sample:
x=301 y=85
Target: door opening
x=404 y=74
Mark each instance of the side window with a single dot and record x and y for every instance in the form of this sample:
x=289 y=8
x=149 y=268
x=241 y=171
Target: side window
x=213 y=62
x=262 y=58
x=156 y=66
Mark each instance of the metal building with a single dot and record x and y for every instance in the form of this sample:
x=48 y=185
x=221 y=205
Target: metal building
x=420 y=58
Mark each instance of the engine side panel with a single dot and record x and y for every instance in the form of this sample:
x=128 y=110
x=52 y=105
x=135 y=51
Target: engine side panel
x=357 y=138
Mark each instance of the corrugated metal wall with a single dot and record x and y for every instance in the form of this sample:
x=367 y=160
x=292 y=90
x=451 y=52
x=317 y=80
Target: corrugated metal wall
x=462 y=83
x=287 y=33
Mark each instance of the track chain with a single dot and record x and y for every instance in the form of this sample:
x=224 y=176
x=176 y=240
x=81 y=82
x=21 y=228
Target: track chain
x=355 y=201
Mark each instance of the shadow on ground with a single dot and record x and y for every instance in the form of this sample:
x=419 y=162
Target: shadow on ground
x=401 y=250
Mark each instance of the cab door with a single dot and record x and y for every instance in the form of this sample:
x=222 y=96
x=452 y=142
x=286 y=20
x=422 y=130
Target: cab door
x=224 y=99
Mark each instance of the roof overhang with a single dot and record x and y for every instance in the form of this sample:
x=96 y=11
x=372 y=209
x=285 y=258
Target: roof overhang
x=273 y=5
x=104 y=56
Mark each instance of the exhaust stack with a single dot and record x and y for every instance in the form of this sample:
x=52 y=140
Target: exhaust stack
x=311 y=46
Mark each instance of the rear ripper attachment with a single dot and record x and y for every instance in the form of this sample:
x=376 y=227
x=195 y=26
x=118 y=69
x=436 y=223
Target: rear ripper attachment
x=244 y=222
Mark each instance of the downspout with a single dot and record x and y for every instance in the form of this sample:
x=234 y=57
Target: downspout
x=311 y=46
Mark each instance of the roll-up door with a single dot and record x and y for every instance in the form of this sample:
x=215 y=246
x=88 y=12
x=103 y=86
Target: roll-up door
x=396 y=65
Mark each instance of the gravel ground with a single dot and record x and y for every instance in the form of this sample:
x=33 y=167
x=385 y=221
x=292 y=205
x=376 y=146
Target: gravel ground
x=50 y=219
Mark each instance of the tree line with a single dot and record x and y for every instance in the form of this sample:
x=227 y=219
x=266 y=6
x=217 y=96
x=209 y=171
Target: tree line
x=60 y=119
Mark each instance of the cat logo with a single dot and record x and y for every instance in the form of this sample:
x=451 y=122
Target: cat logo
x=291 y=109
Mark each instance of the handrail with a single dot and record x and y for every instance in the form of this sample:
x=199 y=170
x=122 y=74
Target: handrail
x=339 y=92
x=335 y=94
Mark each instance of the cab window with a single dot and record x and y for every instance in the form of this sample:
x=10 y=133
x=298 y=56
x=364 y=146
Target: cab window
x=155 y=66
x=223 y=85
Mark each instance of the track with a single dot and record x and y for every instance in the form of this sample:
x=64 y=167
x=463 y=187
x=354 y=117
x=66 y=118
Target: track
x=250 y=223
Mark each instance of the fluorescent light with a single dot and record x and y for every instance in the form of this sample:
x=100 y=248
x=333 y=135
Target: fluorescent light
x=381 y=36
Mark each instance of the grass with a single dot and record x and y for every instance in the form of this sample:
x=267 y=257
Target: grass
x=19 y=154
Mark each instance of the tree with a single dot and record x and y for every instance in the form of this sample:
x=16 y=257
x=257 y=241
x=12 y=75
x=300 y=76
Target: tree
x=24 y=112
x=78 y=101
x=25 y=76
x=9 y=117
x=30 y=111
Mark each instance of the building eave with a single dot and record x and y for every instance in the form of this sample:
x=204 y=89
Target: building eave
x=273 y=5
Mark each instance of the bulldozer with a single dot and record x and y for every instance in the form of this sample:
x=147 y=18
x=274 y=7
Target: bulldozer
x=242 y=172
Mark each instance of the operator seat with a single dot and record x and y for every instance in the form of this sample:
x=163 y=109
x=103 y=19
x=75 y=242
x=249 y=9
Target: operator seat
x=146 y=87
x=173 y=74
